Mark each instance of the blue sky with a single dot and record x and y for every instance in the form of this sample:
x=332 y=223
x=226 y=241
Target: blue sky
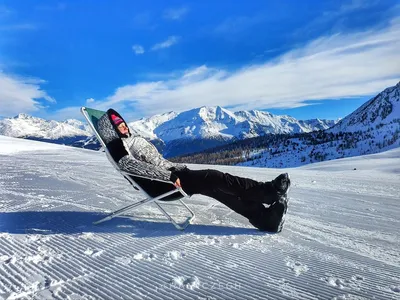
x=307 y=59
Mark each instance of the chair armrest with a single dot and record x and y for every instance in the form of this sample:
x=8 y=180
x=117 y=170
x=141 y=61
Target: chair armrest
x=149 y=178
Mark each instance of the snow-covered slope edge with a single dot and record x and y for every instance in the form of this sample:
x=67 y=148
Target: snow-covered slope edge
x=340 y=239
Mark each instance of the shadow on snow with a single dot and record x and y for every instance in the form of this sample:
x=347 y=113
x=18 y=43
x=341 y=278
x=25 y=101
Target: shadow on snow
x=73 y=222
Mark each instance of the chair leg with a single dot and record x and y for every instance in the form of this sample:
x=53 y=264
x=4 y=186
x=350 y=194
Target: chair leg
x=181 y=226
x=131 y=206
x=120 y=211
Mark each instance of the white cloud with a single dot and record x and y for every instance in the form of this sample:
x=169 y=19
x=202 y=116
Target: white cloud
x=175 y=13
x=21 y=95
x=172 y=40
x=71 y=112
x=331 y=67
x=138 y=49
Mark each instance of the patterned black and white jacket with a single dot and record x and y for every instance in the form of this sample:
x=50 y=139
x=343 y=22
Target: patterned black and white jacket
x=133 y=153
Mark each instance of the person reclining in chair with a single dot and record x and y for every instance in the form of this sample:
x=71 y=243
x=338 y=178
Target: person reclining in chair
x=247 y=197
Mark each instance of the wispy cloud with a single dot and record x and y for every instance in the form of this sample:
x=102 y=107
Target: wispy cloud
x=175 y=13
x=172 y=40
x=17 y=27
x=138 y=49
x=330 y=67
x=234 y=25
x=18 y=94
x=60 y=6
x=4 y=11
x=356 y=5
x=338 y=19
x=71 y=112
x=10 y=22
x=143 y=21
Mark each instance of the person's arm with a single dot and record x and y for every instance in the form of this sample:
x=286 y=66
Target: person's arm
x=131 y=165
x=178 y=167
x=140 y=168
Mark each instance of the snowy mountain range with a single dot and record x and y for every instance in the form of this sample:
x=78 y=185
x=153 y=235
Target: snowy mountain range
x=173 y=133
x=218 y=122
x=70 y=132
x=206 y=127
x=374 y=127
x=24 y=125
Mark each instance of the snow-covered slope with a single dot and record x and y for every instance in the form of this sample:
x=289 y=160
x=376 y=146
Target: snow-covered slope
x=340 y=241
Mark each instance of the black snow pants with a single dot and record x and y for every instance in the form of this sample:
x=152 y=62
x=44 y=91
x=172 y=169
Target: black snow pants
x=243 y=195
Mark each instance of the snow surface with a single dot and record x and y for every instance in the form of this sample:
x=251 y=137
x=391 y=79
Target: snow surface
x=341 y=238
x=10 y=145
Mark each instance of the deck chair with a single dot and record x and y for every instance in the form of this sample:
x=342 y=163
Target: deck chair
x=140 y=183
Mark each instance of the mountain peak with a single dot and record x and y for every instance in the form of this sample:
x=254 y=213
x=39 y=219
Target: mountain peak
x=23 y=116
x=382 y=109
x=214 y=113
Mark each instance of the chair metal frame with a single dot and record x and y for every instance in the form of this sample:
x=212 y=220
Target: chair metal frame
x=148 y=199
